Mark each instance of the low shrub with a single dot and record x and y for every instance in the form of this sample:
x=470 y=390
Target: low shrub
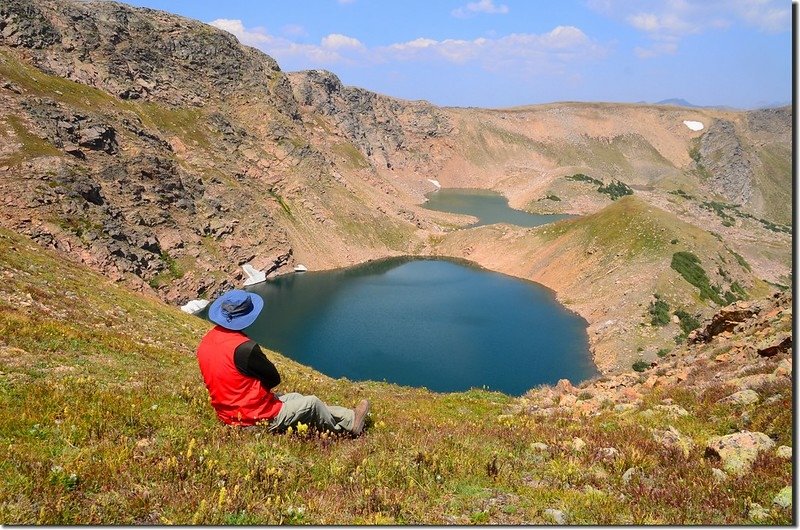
x=615 y=189
x=688 y=266
x=640 y=365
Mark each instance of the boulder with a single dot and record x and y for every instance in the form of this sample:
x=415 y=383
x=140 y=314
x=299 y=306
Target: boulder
x=738 y=451
x=630 y=473
x=757 y=512
x=565 y=387
x=724 y=321
x=557 y=516
x=782 y=343
x=784 y=452
x=673 y=439
x=672 y=410
x=719 y=475
x=743 y=397
x=753 y=381
x=608 y=453
x=784 y=498
x=578 y=444
x=784 y=368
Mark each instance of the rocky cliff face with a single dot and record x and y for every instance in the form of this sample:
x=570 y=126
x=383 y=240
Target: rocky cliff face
x=738 y=158
x=141 y=53
x=384 y=129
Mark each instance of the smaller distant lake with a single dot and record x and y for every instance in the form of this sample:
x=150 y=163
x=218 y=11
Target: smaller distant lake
x=488 y=206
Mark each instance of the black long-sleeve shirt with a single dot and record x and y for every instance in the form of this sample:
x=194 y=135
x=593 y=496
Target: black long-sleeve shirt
x=251 y=362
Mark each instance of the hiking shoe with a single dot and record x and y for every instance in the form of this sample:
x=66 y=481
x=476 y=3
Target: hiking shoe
x=361 y=411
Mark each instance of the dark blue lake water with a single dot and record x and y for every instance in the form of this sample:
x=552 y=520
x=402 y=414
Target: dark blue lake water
x=488 y=206
x=426 y=323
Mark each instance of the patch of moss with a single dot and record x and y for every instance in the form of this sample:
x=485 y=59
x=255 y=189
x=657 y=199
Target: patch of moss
x=659 y=312
x=187 y=123
x=351 y=155
x=31 y=146
x=274 y=194
x=41 y=84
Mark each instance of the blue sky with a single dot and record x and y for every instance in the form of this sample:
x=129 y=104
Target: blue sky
x=501 y=53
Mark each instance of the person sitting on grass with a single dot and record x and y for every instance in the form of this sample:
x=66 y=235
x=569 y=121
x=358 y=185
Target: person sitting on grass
x=240 y=378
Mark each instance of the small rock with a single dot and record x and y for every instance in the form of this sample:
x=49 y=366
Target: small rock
x=743 y=397
x=567 y=400
x=608 y=453
x=784 y=452
x=564 y=387
x=780 y=344
x=753 y=381
x=672 y=438
x=784 y=497
x=757 y=512
x=719 y=475
x=578 y=444
x=672 y=410
x=624 y=407
x=738 y=451
x=682 y=375
x=557 y=516
x=773 y=399
x=651 y=382
x=539 y=446
x=629 y=474
x=784 y=368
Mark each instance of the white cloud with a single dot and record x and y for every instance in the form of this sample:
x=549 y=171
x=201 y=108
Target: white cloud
x=251 y=37
x=481 y=6
x=766 y=15
x=524 y=53
x=337 y=41
x=666 y=22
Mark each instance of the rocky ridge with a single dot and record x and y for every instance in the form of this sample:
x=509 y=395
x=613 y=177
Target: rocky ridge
x=741 y=358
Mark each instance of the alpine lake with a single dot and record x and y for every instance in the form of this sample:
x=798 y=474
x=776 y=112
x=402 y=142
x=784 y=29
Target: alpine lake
x=443 y=324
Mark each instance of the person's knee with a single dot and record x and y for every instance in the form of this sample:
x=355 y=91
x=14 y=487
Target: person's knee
x=315 y=403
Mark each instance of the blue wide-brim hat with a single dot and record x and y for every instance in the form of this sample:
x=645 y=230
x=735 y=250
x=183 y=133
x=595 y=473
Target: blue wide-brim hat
x=235 y=309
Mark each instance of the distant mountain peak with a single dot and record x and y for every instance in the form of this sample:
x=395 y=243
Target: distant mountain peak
x=679 y=102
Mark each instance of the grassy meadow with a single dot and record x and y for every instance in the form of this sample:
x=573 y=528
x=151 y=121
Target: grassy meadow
x=104 y=419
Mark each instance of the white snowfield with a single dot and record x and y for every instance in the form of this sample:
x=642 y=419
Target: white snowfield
x=435 y=183
x=693 y=125
x=194 y=306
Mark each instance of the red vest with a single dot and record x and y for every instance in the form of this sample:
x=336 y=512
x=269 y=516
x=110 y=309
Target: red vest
x=238 y=399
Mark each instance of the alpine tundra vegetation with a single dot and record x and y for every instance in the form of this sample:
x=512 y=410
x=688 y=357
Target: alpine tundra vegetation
x=145 y=157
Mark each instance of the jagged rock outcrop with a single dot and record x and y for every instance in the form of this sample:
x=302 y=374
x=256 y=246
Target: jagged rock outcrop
x=727 y=161
x=738 y=451
x=138 y=53
x=379 y=126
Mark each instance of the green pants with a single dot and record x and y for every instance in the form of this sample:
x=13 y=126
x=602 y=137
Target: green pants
x=311 y=411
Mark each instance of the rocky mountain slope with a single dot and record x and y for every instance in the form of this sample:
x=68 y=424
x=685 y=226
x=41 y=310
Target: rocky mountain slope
x=164 y=154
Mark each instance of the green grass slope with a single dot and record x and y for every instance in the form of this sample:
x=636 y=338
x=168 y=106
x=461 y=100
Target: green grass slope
x=104 y=419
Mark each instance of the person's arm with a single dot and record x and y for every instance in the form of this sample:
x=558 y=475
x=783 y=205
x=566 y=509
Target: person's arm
x=251 y=361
